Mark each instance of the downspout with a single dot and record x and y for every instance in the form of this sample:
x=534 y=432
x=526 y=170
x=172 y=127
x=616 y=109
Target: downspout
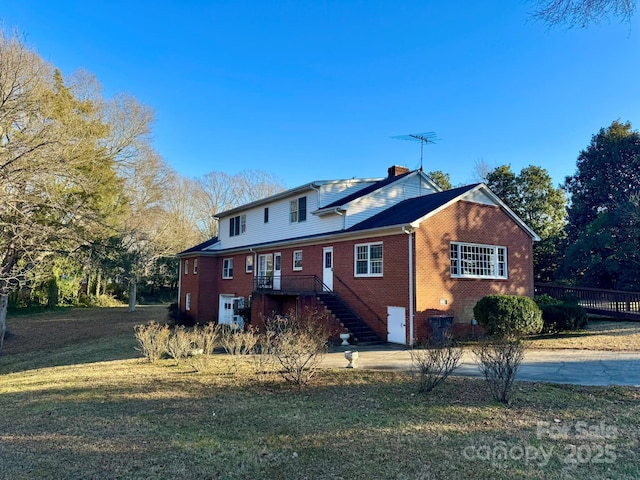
x=409 y=231
x=179 y=282
x=255 y=282
x=317 y=190
x=255 y=265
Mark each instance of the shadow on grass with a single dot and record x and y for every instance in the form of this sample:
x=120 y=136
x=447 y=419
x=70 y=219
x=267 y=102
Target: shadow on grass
x=99 y=350
x=74 y=336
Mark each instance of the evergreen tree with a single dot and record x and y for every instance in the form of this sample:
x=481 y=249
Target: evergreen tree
x=532 y=196
x=443 y=180
x=604 y=220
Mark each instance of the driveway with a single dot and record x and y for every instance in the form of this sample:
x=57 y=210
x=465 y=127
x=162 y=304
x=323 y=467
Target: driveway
x=579 y=367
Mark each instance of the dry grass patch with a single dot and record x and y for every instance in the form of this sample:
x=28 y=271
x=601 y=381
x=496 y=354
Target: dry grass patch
x=599 y=335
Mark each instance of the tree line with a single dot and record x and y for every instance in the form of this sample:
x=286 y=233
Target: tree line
x=589 y=226
x=88 y=208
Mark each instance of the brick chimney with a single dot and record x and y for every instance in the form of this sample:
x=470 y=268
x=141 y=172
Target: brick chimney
x=396 y=170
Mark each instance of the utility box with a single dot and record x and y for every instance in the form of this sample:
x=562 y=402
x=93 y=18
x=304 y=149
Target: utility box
x=441 y=328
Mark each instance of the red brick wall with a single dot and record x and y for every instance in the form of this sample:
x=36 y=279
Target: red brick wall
x=392 y=289
x=376 y=292
x=199 y=285
x=207 y=285
x=436 y=292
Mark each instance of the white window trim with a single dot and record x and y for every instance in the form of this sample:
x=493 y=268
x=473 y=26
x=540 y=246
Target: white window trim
x=496 y=263
x=368 y=259
x=225 y=268
x=187 y=302
x=195 y=266
x=295 y=210
x=294 y=260
x=186 y=267
x=248 y=264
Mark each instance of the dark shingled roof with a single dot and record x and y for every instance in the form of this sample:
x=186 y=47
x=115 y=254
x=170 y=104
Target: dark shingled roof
x=201 y=246
x=410 y=210
x=404 y=212
x=365 y=191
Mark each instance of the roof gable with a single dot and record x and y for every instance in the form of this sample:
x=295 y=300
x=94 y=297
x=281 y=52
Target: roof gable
x=379 y=185
x=365 y=191
x=416 y=209
x=410 y=210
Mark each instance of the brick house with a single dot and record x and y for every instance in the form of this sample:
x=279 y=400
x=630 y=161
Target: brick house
x=389 y=258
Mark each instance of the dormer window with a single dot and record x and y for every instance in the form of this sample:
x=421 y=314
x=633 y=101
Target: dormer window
x=298 y=210
x=237 y=225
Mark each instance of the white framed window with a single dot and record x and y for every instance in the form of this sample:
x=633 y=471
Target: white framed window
x=248 y=265
x=368 y=260
x=298 y=210
x=473 y=260
x=265 y=265
x=227 y=268
x=186 y=267
x=187 y=302
x=297 y=260
x=195 y=266
x=237 y=225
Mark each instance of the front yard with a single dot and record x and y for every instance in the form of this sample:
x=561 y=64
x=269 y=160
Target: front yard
x=90 y=408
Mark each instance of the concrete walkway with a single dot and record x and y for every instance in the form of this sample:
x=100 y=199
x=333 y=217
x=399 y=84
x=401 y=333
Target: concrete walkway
x=579 y=367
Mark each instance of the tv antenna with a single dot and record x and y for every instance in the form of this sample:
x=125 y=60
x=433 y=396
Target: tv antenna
x=423 y=138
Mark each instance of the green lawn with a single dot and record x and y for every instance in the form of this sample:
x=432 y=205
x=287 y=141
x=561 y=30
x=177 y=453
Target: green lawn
x=122 y=417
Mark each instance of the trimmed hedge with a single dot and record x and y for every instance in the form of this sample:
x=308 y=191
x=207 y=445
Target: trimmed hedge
x=508 y=315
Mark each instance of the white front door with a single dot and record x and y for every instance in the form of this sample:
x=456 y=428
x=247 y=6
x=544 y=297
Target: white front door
x=277 y=270
x=327 y=268
x=397 y=325
x=225 y=313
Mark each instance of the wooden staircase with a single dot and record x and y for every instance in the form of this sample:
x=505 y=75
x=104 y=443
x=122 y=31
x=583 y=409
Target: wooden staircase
x=360 y=331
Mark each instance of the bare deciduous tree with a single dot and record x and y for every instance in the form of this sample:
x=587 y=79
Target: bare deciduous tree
x=219 y=191
x=481 y=171
x=582 y=13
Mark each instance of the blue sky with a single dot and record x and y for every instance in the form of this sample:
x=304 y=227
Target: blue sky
x=312 y=90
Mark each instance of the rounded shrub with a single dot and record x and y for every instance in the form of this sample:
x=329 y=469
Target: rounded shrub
x=563 y=316
x=545 y=299
x=508 y=315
